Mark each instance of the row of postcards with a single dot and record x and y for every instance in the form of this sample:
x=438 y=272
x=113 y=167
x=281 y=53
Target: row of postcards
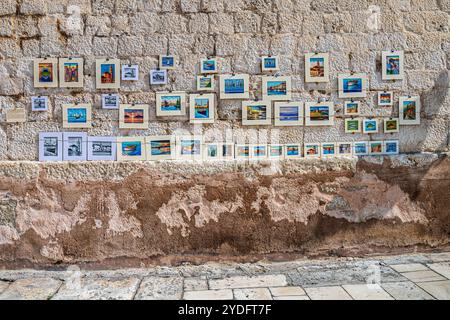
x=77 y=146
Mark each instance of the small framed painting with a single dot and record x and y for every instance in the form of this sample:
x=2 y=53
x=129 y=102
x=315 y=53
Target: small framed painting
x=75 y=146
x=292 y=150
x=270 y=63
x=391 y=147
x=107 y=73
x=391 y=125
x=409 y=110
x=392 y=65
x=101 y=148
x=385 y=98
x=227 y=150
x=160 y=147
x=50 y=146
x=45 y=73
x=77 y=115
x=258 y=151
x=209 y=66
x=376 y=147
x=328 y=149
x=361 y=148
x=158 y=77
x=344 y=149
x=256 y=113
x=234 y=86
x=39 y=103
x=352 y=85
x=110 y=101
x=205 y=83
x=130 y=72
x=312 y=150
x=370 y=126
x=317 y=68
x=71 y=72
x=352 y=108
x=212 y=151
x=288 y=113
x=189 y=147
x=131 y=149
x=319 y=113
x=170 y=104
x=352 y=125
x=166 y=62
x=133 y=116
x=202 y=108
x=242 y=151
x=275 y=151
x=276 y=88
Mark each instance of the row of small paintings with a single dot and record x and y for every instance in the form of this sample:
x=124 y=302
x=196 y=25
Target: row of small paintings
x=77 y=146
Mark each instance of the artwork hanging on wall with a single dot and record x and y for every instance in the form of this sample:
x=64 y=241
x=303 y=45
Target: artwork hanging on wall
x=292 y=150
x=391 y=125
x=319 y=114
x=71 y=73
x=312 y=150
x=75 y=146
x=130 y=72
x=361 y=148
x=242 y=151
x=212 y=151
x=160 y=147
x=385 y=98
x=158 y=77
x=77 y=115
x=227 y=150
x=344 y=149
x=370 y=126
x=133 y=116
x=376 y=147
x=256 y=113
x=270 y=63
x=209 y=65
x=131 y=148
x=276 y=88
x=258 y=151
x=392 y=65
x=391 y=147
x=352 y=108
x=234 y=86
x=317 y=67
x=202 y=108
x=110 y=101
x=107 y=73
x=166 y=62
x=288 y=113
x=45 y=73
x=16 y=115
x=275 y=151
x=50 y=146
x=205 y=83
x=409 y=110
x=352 y=85
x=39 y=103
x=170 y=104
x=189 y=147
x=328 y=149
x=352 y=125
x=101 y=148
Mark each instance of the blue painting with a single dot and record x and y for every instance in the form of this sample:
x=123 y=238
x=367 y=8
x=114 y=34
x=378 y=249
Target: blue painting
x=131 y=148
x=190 y=147
x=292 y=150
x=201 y=109
x=209 y=65
x=167 y=62
x=76 y=115
x=289 y=113
x=276 y=88
x=391 y=147
x=234 y=86
x=360 y=148
x=352 y=85
x=270 y=63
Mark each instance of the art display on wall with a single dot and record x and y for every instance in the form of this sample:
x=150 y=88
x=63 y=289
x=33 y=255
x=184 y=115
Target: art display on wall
x=293 y=150
x=270 y=63
x=392 y=65
x=170 y=104
x=131 y=149
x=258 y=151
x=189 y=147
x=227 y=151
x=352 y=85
x=256 y=113
x=45 y=73
x=234 y=86
x=110 y=101
x=74 y=146
x=133 y=116
x=319 y=114
x=361 y=148
x=352 y=125
x=312 y=150
x=211 y=151
x=352 y=108
x=107 y=73
x=160 y=147
x=276 y=88
x=370 y=126
x=130 y=72
x=288 y=113
x=385 y=98
x=391 y=147
x=77 y=115
x=209 y=66
x=71 y=74
x=409 y=110
x=202 y=108
x=39 y=103
x=344 y=149
x=376 y=147
x=101 y=148
x=391 y=125
x=275 y=151
x=158 y=77
x=166 y=62
x=317 y=67
x=50 y=146
x=328 y=149
x=242 y=151
x=205 y=83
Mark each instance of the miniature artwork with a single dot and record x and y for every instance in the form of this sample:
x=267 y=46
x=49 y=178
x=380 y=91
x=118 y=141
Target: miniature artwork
x=234 y=86
x=391 y=125
x=110 y=101
x=328 y=149
x=409 y=110
x=160 y=147
x=256 y=113
x=208 y=66
x=312 y=150
x=392 y=65
x=101 y=148
x=270 y=63
x=75 y=146
x=133 y=116
x=158 y=77
x=319 y=114
x=107 y=73
x=205 y=83
x=71 y=72
x=170 y=104
x=202 y=108
x=288 y=113
x=189 y=147
x=276 y=151
x=39 y=103
x=370 y=126
x=50 y=146
x=166 y=62
x=276 y=88
x=352 y=125
x=45 y=73
x=131 y=149
x=130 y=72
x=77 y=115
x=352 y=85
x=292 y=150
x=317 y=67
x=385 y=98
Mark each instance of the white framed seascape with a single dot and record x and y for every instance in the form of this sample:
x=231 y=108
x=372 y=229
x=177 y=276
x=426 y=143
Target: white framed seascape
x=319 y=113
x=206 y=82
x=189 y=147
x=392 y=63
x=391 y=147
x=344 y=149
x=170 y=104
x=158 y=77
x=45 y=73
x=130 y=72
x=71 y=72
x=242 y=151
x=160 y=147
x=391 y=125
x=167 y=62
x=39 y=103
x=353 y=125
x=50 y=146
x=352 y=108
x=370 y=125
x=202 y=108
x=101 y=148
x=133 y=116
x=409 y=110
x=292 y=150
x=288 y=113
x=353 y=85
x=317 y=67
x=276 y=88
x=256 y=113
x=312 y=150
x=235 y=86
x=376 y=147
x=131 y=149
x=328 y=149
x=258 y=151
x=110 y=101
x=209 y=65
x=361 y=148
x=385 y=98
x=75 y=146
x=270 y=63
x=275 y=151
x=107 y=73
x=77 y=115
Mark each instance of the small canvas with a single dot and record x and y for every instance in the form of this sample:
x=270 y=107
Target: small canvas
x=227 y=150
x=39 y=103
x=392 y=65
x=212 y=151
x=130 y=72
x=275 y=151
x=75 y=146
x=170 y=104
x=312 y=150
x=166 y=62
x=209 y=66
x=131 y=149
x=234 y=86
x=391 y=125
x=319 y=113
x=256 y=113
x=77 y=115
x=288 y=113
x=110 y=101
x=292 y=150
x=258 y=151
x=133 y=116
x=361 y=148
x=158 y=77
x=328 y=149
x=71 y=74
x=189 y=147
x=391 y=147
x=344 y=149
x=50 y=146
x=242 y=151
x=317 y=68
x=276 y=88
x=352 y=108
x=385 y=98
x=107 y=73
x=206 y=83
x=160 y=147
x=370 y=126
x=45 y=73
x=270 y=63
x=376 y=147
x=409 y=110
x=352 y=85
x=352 y=125
x=101 y=148
x=202 y=108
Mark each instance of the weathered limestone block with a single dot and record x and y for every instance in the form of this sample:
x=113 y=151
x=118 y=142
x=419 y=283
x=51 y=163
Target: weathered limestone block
x=30 y=7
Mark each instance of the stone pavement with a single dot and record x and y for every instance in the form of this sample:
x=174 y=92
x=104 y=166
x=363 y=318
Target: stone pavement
x=414 y=276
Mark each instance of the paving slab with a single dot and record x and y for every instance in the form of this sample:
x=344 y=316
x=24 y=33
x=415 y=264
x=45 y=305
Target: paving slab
x=31 y=289
x=249 y=282
x=408 y=267
x=226 y=294
x=195 y=284
x=291 y=298
x=405 y=259
x=439 y=257
x=287 y=291
x=367 y=292
x=423 y=276
x=442 y=268
x=438 y=289
x=327 y=293
x=160 y=288
x=98 y=289
x=252 y=294
x=406 y=291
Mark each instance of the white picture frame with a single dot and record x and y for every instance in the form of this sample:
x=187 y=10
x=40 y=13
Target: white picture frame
x=252 y=107
x=156 y=147
x=270 y=63
x=234 y=86
x=370 y=125
x=107 y=75
x=101 y=148
x=212 y=151
x=50 y=146
x=344 y=149
x=361 y=148
x=131 y=149
x=189 y=147
x=376 y=148
x=206 y=82
x=39 y=103
x=352 y=130
x=385 y=98
x=352 y=85
x=275 y=151
x=170 y=104
x=317 y=67
x=319 y=113
x=328 y=149
x=227 y=151
x=45 y=73
x=392 y=63
x=275 y=88
x=352 y=108
x=158 y=77
x=77 y=116
x=242 y=151
x=391 y=125
x=209 y=65
x=133 y=116
x=258 y=151
x=391 y=147
x=130 y=72
x=167 y=62
x=75 y=146
x=202 y=108
x=110 y=101
x=312 y=150
x=293 y=151
x=288 y=113
x=71 y=72
x=406 y=115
